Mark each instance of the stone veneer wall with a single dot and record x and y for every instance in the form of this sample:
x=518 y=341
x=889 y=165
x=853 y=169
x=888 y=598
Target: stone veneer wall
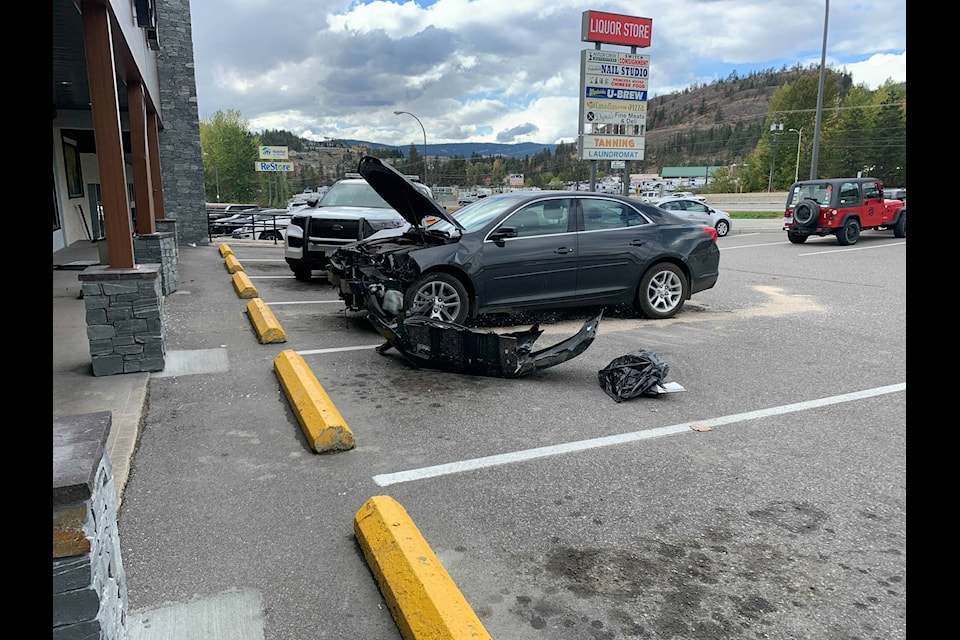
x=89 y=584
x=124 y=310
x=181 y=157
x=159 y=248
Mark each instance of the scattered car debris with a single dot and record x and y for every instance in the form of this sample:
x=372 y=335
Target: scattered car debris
x=696 y=426
x=635 y=374
x=431 y=343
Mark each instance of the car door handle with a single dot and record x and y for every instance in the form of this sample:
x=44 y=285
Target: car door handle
x=563 y=250
x=636 y=243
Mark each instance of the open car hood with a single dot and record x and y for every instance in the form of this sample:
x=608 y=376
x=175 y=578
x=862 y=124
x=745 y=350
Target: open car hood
x=429 y=343
x=399 y=192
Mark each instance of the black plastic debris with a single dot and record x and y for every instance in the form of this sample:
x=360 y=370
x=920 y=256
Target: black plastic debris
x=635 y=374
x=431 y=343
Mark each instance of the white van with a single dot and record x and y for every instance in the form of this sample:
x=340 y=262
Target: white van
x=649 y=196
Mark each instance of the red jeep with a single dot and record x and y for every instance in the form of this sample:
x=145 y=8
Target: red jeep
x=841 y=207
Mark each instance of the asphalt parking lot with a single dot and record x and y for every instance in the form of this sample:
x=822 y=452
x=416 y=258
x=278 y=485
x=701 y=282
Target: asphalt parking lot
x=765 y=500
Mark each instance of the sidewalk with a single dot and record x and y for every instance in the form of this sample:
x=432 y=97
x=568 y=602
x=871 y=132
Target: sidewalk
x=75 y=389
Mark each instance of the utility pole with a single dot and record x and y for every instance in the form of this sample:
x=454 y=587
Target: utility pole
x=774 y=129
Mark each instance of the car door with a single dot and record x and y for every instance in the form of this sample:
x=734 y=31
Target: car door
x=615 y=243
x=536 y=267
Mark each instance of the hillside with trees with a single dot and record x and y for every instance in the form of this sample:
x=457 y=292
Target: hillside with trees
x=725 y=125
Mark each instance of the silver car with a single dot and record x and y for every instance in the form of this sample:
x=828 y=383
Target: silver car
x=699 y=212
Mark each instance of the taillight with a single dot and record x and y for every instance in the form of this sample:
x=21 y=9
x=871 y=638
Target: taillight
x=711 y=232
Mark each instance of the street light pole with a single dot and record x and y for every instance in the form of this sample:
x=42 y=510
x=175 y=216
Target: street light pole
x=774 y=128
x=796 y=172
x=397 y=113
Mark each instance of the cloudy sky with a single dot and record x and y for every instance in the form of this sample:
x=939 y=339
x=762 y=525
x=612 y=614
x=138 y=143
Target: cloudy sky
x=498 y=70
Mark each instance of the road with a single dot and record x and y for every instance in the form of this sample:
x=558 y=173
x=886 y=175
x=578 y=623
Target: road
x=766 y=500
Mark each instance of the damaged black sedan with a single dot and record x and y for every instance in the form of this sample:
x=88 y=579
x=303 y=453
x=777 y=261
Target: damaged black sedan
x=522 y=251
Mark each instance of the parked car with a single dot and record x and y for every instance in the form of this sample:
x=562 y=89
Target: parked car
x=697 y=211
x=348 y=211
x=688 y=194
x=267 y=224
x=522 y=251
x=841 y=207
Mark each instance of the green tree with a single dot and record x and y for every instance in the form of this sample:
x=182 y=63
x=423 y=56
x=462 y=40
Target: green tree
x=229 y=154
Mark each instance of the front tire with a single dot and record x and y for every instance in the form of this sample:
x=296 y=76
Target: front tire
x=849 y=233
x=797 y=238
x=302 y=274
x=900 y=228
x=440 y=296
x=662 y=291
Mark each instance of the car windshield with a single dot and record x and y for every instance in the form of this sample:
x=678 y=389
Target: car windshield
x=352 y=194
x=478 y=214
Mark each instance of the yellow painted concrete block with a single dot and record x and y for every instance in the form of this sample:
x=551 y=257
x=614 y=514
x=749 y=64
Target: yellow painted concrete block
x=264 y=322
x=421 y=595
x=319 y=419
x=225 y=250
x=233 y=265
x=244 y=286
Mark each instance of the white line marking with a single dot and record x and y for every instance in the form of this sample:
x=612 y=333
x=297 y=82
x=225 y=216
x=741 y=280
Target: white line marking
x=260 y=260
x=337 y=349
x=542 y=452
x=752 y=246
x=270 y=277
x=308 y=302
x=882 y=246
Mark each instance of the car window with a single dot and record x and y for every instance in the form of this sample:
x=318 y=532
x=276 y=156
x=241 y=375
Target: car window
x=607 y=214
x=695 y=206
x=540 y=218
x=819 y=192
x=871 y=190
x=849 y=193
x=671 y=206
x=352 y=194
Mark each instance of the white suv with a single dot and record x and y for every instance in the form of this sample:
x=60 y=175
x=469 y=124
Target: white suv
x=350 y=210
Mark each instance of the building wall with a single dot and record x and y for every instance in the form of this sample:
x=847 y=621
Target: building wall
x=181 y=157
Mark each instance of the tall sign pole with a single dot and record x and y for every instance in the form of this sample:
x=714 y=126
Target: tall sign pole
x=613 y=91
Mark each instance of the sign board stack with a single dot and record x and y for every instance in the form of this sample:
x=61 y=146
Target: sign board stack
x=613 y=88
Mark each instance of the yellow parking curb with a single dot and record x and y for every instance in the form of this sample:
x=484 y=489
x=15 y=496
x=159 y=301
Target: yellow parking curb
x=244 y=286
x=225 y=250
x=264 y=322
x=233 y=265
x=422 y=597
x=322 y=424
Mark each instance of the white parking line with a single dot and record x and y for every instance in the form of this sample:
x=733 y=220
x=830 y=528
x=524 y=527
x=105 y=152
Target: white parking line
x=543 y=452
x=291 y=277
x=881 y=246
x=752 y=246
x=308 y=352
x=273 y=304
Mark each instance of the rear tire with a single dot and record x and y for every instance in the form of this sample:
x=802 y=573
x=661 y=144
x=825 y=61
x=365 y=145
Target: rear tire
x=662 y=291
x=303 y=275
x=797 y=238
x=723 y=228
x=849 y=233
x=900 y=228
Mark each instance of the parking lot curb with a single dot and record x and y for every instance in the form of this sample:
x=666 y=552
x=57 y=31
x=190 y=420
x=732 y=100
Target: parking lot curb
x=244 y=286
x=265 y=323
x=422 y=597
x=225 y=250
x=322 y=424
x=233 y=265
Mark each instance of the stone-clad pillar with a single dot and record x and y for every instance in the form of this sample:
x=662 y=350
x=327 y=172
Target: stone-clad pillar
x=124 y=318
x=89 y=583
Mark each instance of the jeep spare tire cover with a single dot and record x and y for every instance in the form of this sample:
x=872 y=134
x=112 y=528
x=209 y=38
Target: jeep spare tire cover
x=806 y=212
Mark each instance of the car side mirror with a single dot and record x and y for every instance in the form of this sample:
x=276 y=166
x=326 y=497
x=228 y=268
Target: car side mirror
x=503 y=232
